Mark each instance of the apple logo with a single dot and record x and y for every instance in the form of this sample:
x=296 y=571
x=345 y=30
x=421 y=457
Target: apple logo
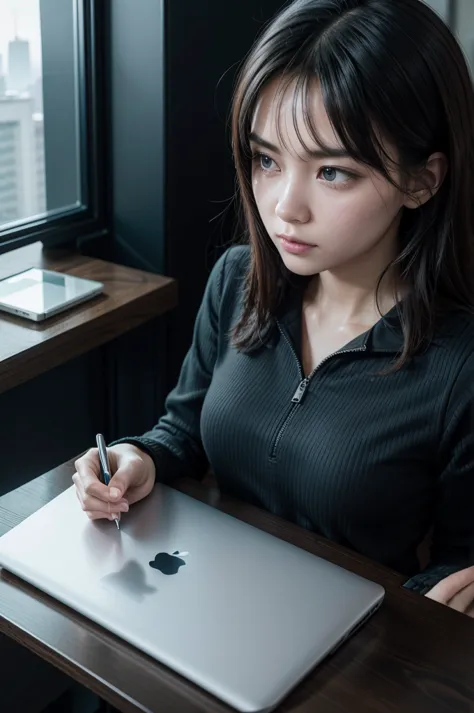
x=168 y=564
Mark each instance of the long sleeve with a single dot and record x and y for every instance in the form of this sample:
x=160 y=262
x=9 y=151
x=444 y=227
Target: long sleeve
x=175 y=442
x=453 y=534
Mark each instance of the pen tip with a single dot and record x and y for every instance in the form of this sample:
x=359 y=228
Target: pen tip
x=118 y=525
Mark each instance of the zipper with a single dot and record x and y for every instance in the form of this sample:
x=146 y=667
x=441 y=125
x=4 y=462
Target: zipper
x=302 y=387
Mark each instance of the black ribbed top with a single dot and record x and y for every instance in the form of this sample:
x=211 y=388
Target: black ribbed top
x=371 y=462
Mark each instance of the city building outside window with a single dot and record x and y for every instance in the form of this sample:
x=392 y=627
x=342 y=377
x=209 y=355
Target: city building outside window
x=52 y=108
x=22 y=166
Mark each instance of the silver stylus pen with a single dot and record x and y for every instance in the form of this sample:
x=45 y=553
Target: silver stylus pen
x=105 y=468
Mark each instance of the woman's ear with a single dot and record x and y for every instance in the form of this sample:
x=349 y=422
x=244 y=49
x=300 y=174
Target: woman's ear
x=426 y=183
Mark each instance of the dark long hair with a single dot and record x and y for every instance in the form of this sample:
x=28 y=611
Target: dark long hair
x=388 y=68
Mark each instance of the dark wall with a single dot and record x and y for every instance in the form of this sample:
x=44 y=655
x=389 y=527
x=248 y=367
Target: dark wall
x=173 y=66
x=206 y=42
x=137 y=132
x=49 y=419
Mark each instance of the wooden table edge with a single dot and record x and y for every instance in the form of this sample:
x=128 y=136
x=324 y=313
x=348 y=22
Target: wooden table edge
x=102 y=687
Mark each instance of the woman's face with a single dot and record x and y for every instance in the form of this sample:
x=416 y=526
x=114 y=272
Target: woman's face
x=346 y=213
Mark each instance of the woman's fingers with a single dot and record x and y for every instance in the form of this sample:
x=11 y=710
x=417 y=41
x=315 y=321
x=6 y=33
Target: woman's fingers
x=92 y=505
x=453 y=585
x=97 y=515
x=463 y=601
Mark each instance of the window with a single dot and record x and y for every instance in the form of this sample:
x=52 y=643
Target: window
x=459 y=15
x=51 y=154
x=463 y=25
x=441 y=7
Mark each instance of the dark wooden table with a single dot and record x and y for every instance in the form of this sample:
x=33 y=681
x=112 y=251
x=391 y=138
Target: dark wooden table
x=414 y=656
x=131 y=297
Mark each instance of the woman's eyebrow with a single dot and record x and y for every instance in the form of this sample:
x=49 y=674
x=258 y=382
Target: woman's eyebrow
x=315 y=153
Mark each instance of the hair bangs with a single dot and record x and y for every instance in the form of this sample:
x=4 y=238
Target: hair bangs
x=348 y=96
x=344 y=104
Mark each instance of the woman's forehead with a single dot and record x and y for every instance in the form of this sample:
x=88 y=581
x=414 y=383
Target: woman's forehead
x=289 y=116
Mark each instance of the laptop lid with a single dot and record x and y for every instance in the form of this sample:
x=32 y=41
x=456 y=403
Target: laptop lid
x=237 y=611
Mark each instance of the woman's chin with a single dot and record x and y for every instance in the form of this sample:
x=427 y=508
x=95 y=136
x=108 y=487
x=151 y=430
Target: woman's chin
x=301 y=265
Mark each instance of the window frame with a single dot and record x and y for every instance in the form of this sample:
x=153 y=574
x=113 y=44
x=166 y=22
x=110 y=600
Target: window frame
x=452 y=15
x=89 y=219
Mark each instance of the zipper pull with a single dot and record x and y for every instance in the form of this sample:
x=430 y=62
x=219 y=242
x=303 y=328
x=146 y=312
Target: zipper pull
x=300 y=391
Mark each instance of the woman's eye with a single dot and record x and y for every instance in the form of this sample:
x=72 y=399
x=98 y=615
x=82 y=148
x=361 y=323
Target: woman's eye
x=265 y=162
x=335 y=175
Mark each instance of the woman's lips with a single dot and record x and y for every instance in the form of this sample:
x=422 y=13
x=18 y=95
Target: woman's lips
x=293 y=245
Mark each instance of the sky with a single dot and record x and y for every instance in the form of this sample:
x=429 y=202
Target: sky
x=28 y=28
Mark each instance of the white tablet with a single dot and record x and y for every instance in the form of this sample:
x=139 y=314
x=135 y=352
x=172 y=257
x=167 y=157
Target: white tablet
x=37 y=294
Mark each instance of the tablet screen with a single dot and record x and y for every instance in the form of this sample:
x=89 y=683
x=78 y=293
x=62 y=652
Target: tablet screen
x=40 y=291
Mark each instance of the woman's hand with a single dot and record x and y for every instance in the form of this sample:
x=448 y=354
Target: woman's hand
x=133 y=479
x=456 y=591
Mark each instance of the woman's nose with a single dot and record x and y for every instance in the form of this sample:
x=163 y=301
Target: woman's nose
x=292 y=206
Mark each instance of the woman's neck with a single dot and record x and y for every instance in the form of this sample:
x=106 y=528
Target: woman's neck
x=345 y=300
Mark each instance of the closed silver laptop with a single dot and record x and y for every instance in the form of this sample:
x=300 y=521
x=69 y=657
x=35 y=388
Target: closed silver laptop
x=237 y=611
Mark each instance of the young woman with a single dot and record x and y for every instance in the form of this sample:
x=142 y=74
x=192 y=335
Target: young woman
x=331 y=375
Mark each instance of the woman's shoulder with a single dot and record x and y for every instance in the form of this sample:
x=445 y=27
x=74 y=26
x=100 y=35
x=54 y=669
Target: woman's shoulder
x=231 y=268
x=455 y=337
x=226 y=280
x=237 y=259
x=457 y=326
x=450 y=369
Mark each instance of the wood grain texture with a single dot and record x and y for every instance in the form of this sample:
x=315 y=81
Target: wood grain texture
x=414 y=656
x=131 y=297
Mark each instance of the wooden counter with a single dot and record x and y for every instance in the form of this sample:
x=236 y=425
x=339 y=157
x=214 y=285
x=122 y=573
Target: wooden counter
x=131 y=297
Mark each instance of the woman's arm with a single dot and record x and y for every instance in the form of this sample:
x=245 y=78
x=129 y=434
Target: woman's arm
x=452 y=552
